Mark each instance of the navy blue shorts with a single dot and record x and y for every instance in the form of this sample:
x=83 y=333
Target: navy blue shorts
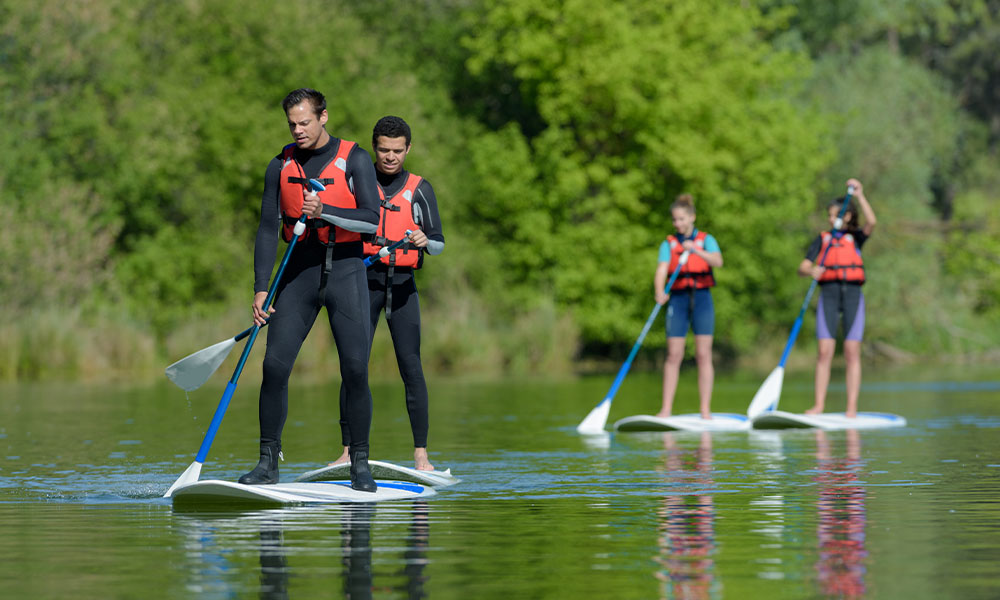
x=690 y=307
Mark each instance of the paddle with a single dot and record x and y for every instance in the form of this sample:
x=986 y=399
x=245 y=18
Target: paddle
x=766 y=398
x=193 y=472
x=192 y=371
x=594 y=422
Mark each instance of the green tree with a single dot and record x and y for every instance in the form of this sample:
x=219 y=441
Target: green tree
x=620 y=107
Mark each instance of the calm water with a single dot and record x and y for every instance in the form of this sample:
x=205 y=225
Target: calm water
x=541 y=512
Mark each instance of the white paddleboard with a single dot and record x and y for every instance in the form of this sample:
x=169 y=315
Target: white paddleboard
x=383 y=470
x=690 y=422
x=326 y=492
x=779 y=419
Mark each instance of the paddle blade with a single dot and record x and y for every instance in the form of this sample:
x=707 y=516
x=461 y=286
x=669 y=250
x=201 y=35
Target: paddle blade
x=768 y=395
x=190 y=372
x=593 y=424
x=189 y=476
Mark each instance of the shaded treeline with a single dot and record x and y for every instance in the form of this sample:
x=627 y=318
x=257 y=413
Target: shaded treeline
x=556 y=134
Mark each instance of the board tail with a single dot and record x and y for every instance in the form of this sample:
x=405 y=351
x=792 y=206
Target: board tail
x=594 y=422
x=767 y=396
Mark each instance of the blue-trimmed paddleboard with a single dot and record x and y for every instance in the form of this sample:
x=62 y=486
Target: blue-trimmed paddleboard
x=325 y=492
x=779 y=419
x=689 y=422
x=385 y=470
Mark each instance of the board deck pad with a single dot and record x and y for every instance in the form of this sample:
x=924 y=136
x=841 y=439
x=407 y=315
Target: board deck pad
x=326 y=492
x=688 y=422
x=779 y=419
x=384 y=470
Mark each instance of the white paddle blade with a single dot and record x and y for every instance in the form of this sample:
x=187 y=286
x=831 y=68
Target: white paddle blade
x=594 y=423
x=768 y=395
x=191 y=372
x=189 y=476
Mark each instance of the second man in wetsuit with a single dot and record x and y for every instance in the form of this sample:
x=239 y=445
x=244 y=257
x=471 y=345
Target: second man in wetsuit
x=408 y=204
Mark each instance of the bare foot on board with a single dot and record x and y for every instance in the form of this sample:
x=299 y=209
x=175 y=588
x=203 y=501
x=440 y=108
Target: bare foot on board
x=815 y=410
x=344 y=458
x=662 y=415
x=420 y=460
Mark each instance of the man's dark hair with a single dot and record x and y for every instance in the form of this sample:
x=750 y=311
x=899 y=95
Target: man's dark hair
x=297 y=96
x=392 y=127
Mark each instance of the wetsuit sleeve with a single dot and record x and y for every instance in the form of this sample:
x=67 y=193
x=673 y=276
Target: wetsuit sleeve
x=664 y=253
x=813 y=252
x=361 y=177
x=859 y=238
x=425 y=214
x=266 y=244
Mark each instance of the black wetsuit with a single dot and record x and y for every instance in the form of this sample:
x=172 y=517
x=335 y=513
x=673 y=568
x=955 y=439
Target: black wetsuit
x=314 y=278
x=403 y=313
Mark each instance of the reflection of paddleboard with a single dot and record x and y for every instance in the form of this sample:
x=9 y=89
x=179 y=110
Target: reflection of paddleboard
x=383 y=470
x=327 y=492
x=691 y=422
x=779 y=419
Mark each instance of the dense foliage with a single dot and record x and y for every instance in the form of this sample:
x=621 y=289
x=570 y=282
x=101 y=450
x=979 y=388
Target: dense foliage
x=556 y=134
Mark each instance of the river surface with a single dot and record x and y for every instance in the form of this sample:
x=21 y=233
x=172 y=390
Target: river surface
x=541 y=512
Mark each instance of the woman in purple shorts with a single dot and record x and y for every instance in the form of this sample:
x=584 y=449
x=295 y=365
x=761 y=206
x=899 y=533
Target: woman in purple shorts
x=840 y=277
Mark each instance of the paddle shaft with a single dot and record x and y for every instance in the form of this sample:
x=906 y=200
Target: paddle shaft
x=623 y=371
x=812 y=288
x=227 y=395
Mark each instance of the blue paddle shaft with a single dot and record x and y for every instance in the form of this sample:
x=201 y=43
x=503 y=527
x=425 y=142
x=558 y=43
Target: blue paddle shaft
x=372 y=259
x=623 y=371
x=227 y=395
x=812 y=288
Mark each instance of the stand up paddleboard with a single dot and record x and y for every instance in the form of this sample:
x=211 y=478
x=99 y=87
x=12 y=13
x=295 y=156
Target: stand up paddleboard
x=690 y=422
x=779 y=419
x=385 y=470
x=214 y=491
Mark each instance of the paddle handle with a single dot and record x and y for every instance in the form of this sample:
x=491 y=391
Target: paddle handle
x=385 y=251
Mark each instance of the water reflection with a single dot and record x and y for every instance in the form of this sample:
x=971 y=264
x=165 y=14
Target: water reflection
x=686 y=524
x=287 y=541
x=840 y=531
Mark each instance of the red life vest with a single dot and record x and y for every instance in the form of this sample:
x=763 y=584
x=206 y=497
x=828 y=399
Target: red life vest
x=395 y=217
x=842 y=260
x=337 y=193
x=697 y=273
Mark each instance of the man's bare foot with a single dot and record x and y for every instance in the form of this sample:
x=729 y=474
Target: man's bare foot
x=815 y=410
x=851 y=414
x=344 y=458
x=706 y=416
x=420 y=460
x=662 y=415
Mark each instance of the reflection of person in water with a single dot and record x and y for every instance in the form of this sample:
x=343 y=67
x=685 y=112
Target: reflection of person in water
x=687 y=524
x=841 y=525
x=273 y=564
x=355 y=536
x=416 y=549
x=356 y=540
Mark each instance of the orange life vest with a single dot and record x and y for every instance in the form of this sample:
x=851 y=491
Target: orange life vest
x=697 y=273
x=337 y=193
x=395 y=217
x=842 y=260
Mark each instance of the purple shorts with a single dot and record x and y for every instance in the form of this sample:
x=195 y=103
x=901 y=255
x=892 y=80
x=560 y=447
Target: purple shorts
x=840 y=300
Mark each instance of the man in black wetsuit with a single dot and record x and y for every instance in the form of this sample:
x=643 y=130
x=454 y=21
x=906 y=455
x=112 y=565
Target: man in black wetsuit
x=409 y=204
x=325 y=269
